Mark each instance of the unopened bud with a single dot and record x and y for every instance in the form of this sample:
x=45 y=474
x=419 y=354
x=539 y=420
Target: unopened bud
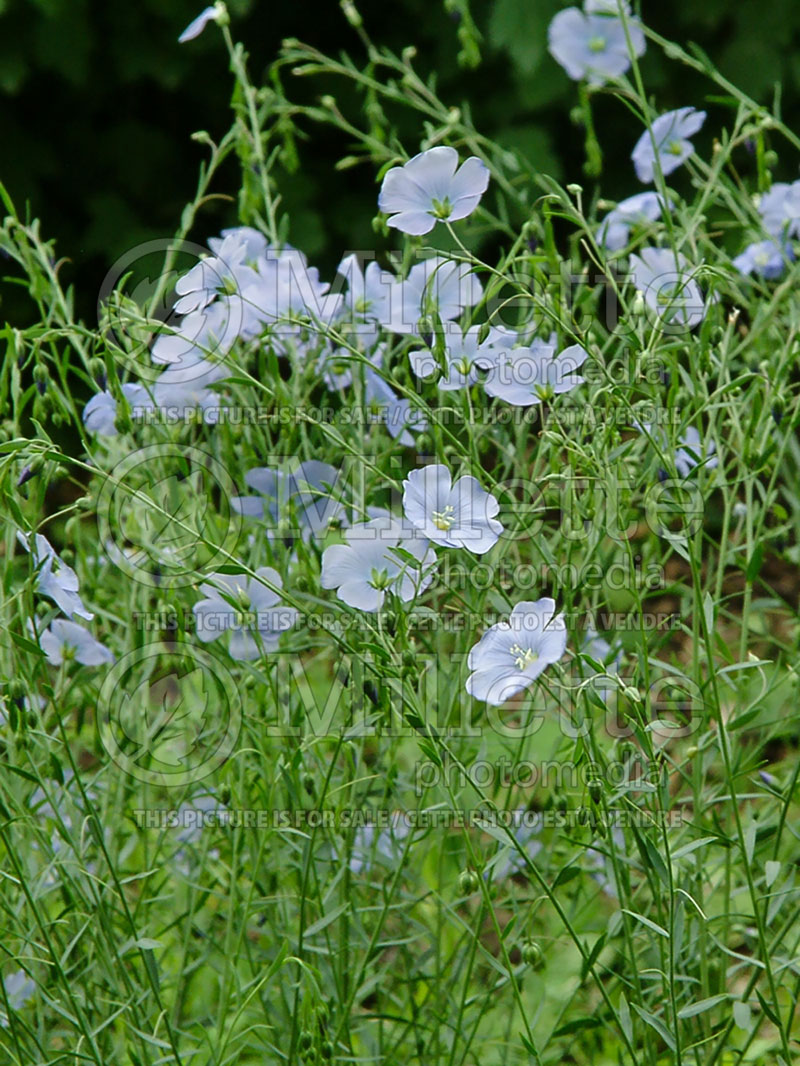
x=468 y=882
x=531 y=953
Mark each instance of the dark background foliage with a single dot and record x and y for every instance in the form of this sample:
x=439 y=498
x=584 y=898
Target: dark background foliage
x=98 y=102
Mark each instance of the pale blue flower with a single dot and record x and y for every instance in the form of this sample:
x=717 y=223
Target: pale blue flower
x=20 y=990
x=670 y=136
x=511 y=655
x=196 y=27
x=55 y=579
x=384 y=847
x=252 y=240
x=435 y=285
x=532 y=373
x=394 y=411
x=369 y=291
x=100 y=413
x=368 y=566
x=614 y=231
x=337 y=365
x=61 y=802
x=766 y=258
x=664 y=280
x=203 y=333
x=593 y=46
x=306 y=497
x=243 y=606
x=245 y=287
x=223 y=274
x=194 y=816
x=429 y=188
x=460 y=515
x=181 y=390
x=606 y=7
x=281 y=286
x=597 y=647
x=780 y=209
x=63 y=641
x=693 y=450
x=464 y=357
x=526 y=827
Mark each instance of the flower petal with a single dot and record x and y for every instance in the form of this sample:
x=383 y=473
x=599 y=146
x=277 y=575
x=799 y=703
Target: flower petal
x=415 y=223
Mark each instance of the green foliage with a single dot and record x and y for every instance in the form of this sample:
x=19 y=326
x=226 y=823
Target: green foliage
x=652 y=918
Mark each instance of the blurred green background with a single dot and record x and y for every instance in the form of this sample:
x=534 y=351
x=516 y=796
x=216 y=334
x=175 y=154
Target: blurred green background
x=98 y=102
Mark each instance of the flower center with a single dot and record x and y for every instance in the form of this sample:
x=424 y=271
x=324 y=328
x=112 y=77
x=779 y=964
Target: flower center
x=242 y=599
x=671 y=294
x=463 y=366
x=597 y=44
x=441 y=208
x=761 y=259
x=444 y=519
x=362 y=306
x=675 y=147
x=379 y=579
x=523 y=657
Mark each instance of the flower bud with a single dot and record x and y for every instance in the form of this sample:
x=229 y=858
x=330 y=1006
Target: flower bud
x=531 y=953
x=97 y=368
x=40 y=376
x=468 y=882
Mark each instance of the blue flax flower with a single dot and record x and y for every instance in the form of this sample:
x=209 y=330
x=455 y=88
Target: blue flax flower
x=434 y=286
x=526 y=827
x=429 y=188
x=780 y=209
x=368 y=565
x=384 y=847
x=464 y=357
x=224 y=273
x=100 y=413
x=511 y=655
x=768 y=259
x=593 y=45
x=243 y=606
x=529 y=374
x=460 y=515
x=55 y=579
x=664 y=280
x=306 y=497
x=196 y=26
x=669 y=142
x=693 y=450
x=20 y=990
x=394 y=411
x=64 y=640
x=614 y=231
x=368 y=291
